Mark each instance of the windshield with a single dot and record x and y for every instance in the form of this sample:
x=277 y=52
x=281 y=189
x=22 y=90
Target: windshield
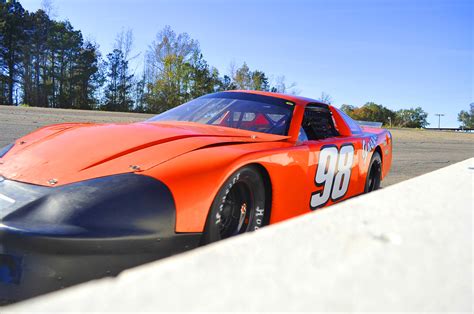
x=235 y=110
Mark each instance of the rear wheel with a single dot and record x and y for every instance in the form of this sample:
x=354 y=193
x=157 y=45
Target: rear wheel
x=374 y=176
x=238 y=207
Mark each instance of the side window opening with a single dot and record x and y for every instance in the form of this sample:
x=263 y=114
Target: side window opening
x=318 y=123
x=302 y=137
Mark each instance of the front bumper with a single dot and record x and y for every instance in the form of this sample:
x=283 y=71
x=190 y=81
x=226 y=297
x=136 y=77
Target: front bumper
x=31 y=267
x=51 y=238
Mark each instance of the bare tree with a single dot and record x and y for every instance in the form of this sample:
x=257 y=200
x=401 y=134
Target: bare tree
x=326 y=98
x=232 y=69
x=124 y=43
x=170 y=62
x=49 y=8
x=280 y=85
x=169 y=49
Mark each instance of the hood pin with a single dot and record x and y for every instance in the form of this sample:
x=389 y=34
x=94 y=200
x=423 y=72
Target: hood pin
x=53 y=181
x=135 y=168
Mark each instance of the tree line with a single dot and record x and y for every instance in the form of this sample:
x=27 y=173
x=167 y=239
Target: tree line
x=48 y=63
x=45 y=63
x=467 y=118
x=406 y=118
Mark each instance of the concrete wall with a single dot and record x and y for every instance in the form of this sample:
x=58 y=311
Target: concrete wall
x=407 y=247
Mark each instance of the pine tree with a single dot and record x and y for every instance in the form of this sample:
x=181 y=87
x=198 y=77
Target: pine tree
x=35 y=64
x=86 y=77
x=204 y=80
x=119 y=84
x=12 y=41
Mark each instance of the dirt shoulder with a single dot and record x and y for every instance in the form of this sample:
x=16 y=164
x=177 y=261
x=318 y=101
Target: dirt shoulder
x=416 y=152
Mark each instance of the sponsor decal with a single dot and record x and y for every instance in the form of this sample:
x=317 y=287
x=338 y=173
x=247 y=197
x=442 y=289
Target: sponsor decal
x=10 y=269
x=259 y=213
x=368 y=145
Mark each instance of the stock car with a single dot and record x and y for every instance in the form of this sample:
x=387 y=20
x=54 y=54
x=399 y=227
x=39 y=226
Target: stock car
x=80 y=201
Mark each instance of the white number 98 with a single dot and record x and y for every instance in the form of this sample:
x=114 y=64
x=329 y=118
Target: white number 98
x=333 y=174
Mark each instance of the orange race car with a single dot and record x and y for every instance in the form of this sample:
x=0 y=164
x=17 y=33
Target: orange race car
x=80 y=200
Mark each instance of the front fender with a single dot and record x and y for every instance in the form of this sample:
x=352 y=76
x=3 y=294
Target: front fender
x=196 y=177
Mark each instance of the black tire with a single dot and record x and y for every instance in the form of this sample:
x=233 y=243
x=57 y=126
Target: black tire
x=374 y=175
x=238 y=207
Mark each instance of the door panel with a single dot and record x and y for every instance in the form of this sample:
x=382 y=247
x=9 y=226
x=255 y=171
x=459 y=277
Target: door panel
x=334 y=170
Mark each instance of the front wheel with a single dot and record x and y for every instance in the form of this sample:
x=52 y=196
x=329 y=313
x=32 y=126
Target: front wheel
x=238 y=207
x=374 y=175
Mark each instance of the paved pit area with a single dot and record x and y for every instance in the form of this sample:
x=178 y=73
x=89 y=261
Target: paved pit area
x=415 y=152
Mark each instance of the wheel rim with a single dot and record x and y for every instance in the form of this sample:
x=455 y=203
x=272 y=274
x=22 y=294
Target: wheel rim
x=374 y=178
x=234 y=218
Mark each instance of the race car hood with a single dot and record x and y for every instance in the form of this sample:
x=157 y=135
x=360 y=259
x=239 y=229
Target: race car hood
x=67 y=153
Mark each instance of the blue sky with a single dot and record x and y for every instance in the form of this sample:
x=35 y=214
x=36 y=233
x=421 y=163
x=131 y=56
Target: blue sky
x=400 y=54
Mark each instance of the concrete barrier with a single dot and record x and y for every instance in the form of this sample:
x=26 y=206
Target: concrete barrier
x=405 y=248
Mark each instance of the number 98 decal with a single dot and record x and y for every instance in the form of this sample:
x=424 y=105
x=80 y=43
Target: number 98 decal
x=333 y=174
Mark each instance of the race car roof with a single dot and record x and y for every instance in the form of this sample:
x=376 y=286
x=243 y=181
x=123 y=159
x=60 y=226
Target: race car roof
x=298 y=100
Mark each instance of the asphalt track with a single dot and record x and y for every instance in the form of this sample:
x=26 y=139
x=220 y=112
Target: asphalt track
x=415 y=152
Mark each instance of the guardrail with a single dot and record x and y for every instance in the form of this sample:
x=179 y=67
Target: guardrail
x=451 y=129
x=407 y=247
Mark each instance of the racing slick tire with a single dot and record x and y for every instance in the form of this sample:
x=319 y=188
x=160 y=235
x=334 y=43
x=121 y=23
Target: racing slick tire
x=238 y=207
x=374 y=175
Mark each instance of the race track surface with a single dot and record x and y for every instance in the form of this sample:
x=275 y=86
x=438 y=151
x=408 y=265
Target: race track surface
x=415 y=152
